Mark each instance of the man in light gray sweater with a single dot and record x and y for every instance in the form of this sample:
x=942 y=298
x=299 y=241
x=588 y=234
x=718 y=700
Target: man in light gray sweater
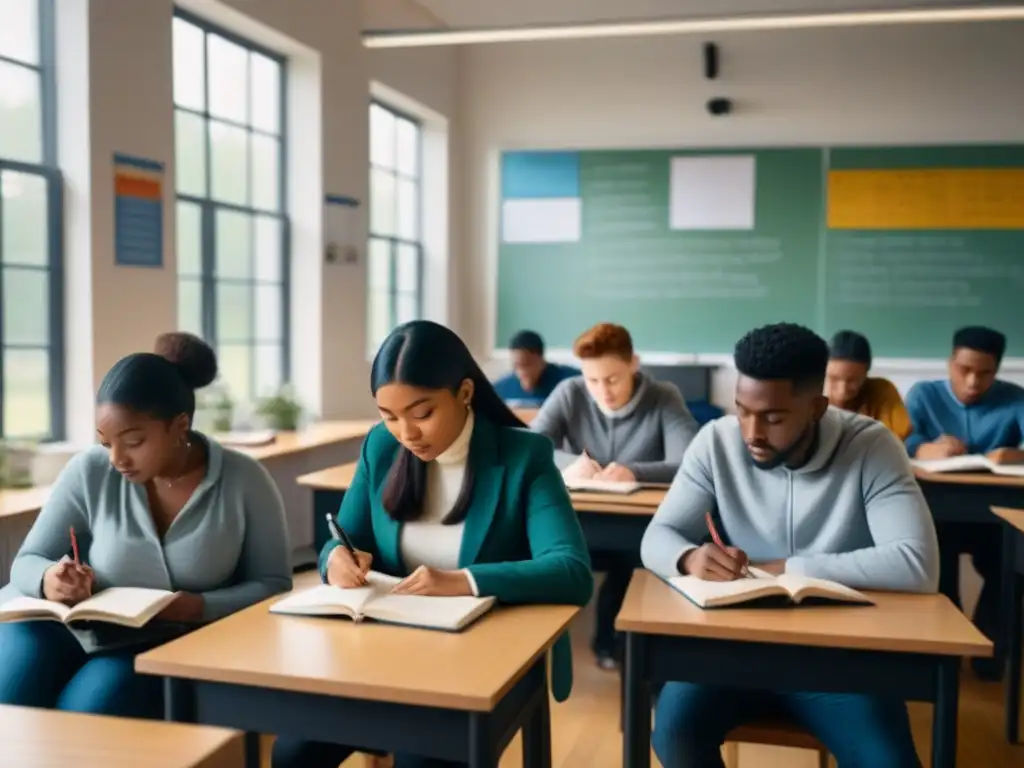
x=618 y=424
x=796 y=487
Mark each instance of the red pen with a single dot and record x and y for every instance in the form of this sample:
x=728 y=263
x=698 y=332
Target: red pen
x=74 y=545
x=718 y=539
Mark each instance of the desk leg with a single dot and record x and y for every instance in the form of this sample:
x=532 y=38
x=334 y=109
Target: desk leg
x=636 y=739
x=179 y=701
x=252 y=750
x=1013 y=613
x=537 y=735
x=944 y=718
x=481 y=748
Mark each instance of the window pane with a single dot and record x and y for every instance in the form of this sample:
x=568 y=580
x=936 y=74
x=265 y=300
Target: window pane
x=407 y=269
x=19 y=32
x=21 y=122
x=382 y=203
x=266 y=94
x=229 y=79
x=233 y=245
x=190 y=154
x=380 y=266
x=266 y=178
x=235 y=364
x=26 y=306
x=234 y=312
x=408 y=147
x=190 y=306
x=379 y=320
x=268 y=249
x=406 y=307
x=190 y=239
x=229 y=147
x=408 y=209
x=269 y=377
x=26 y=393
x=382 y=137
x=269 y=316
x=189 y=66
x=24 y=227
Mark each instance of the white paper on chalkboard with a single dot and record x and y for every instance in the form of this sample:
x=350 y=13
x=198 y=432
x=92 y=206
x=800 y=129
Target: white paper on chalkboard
x=712 y=192
x=547 y=220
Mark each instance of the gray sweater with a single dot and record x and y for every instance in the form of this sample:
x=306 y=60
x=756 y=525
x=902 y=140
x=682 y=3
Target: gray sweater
x=853 y=514
x=229 y=543
x=648 y=435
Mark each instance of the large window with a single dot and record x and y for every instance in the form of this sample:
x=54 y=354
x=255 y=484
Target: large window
x=31 y=379
x=395 y=252
x=231 y=226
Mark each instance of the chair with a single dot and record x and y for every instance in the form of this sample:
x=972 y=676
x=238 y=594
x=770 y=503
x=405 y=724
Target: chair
x=774 y=733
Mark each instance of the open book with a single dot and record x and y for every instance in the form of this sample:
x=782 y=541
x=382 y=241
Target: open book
x=246 y=439
x=126 y=606
x=376 y=602
x=971 y=463
x=601 y=486
x=787 y=589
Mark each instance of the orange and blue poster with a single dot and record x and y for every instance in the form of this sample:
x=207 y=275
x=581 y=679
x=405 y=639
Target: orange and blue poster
x=138 y=212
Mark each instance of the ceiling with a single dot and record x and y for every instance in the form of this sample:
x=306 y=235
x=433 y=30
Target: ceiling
x=515 y=13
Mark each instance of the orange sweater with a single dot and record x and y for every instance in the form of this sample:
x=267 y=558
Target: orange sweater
x=880 y=400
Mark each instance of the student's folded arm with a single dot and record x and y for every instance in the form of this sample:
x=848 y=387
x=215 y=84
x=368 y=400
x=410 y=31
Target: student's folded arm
x=678 y=525
x=559 y=568
x=678 y=428
x=265 y=566
x=49 y=539
x=920 y=426
x=354 y=515
x=905 y=557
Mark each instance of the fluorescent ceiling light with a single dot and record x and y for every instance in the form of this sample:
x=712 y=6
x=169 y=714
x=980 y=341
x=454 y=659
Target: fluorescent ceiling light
x=403 y=39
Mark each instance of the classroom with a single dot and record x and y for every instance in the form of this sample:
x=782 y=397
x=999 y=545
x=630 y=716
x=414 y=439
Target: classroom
x=622 y=235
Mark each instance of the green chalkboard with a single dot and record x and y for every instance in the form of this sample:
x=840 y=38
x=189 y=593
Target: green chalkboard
x=700 y=291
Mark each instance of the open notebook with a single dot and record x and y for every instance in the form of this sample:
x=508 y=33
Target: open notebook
x=126 y=606
x=787 y=589
x=970 y=463
x=601 y=486
x=452 y=614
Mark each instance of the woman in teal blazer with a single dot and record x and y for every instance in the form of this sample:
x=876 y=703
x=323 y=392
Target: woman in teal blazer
x=453 y=495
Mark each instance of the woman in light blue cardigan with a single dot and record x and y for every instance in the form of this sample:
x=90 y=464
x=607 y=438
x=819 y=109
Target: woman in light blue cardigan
x=156 y=505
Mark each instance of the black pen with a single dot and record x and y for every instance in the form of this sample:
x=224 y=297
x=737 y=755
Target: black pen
x=340 y=535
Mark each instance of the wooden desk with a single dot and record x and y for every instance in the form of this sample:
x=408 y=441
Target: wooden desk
x=1013 y=611
x=526 y=415
x=44 y=738
x=315 y=435
x=22 y=501
x=456 y=696
x=609 y=522
x=907 y=646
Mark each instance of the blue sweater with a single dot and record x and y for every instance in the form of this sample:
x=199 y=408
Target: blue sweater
x=511 y=391
x=994 y=421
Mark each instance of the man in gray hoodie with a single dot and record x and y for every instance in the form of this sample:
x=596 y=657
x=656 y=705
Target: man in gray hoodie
x=802 y=488
x=618 y=424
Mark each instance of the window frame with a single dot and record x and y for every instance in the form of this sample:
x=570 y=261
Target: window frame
x=48 y=169
x=394 y=241
x=209 y=206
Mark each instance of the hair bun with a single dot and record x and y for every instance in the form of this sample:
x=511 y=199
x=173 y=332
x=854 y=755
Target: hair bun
x=194 y=358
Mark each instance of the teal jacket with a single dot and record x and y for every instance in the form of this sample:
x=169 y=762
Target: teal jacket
x=521 y=541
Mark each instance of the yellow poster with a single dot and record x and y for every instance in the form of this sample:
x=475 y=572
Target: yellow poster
x=926 y=198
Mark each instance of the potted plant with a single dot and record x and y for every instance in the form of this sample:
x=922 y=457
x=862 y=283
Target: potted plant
x=215 y=410
x=15 y=464
x=282 y=411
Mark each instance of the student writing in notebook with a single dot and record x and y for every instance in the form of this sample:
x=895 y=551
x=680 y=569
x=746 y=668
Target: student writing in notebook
x=797 y=487
x=154 y=505
x=533 y=378
x=971 y=412
x=451 y=494
x=621 y=425
x=848 y=386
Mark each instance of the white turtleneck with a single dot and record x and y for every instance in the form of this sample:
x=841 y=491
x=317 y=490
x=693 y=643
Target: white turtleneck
x=427 y=541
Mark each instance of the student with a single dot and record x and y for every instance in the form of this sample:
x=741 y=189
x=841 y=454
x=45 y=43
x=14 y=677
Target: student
x=972 y=412
x=533 y=378
x=619 y=424
x=453 y=495
x=787 y=462
x=155 y=505
x=848 y=386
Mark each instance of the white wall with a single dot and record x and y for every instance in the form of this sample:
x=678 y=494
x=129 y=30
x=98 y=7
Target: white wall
x=116 y=95
x=875 y=86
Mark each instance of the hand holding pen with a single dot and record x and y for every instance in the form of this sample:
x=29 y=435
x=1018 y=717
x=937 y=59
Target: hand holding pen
x=715 y=561
x=69 y=581
x=346 y=566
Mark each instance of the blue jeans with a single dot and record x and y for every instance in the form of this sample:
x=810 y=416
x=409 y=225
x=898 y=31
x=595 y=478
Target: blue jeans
x=691 y=722
x=43 y=665
x=293 y=753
